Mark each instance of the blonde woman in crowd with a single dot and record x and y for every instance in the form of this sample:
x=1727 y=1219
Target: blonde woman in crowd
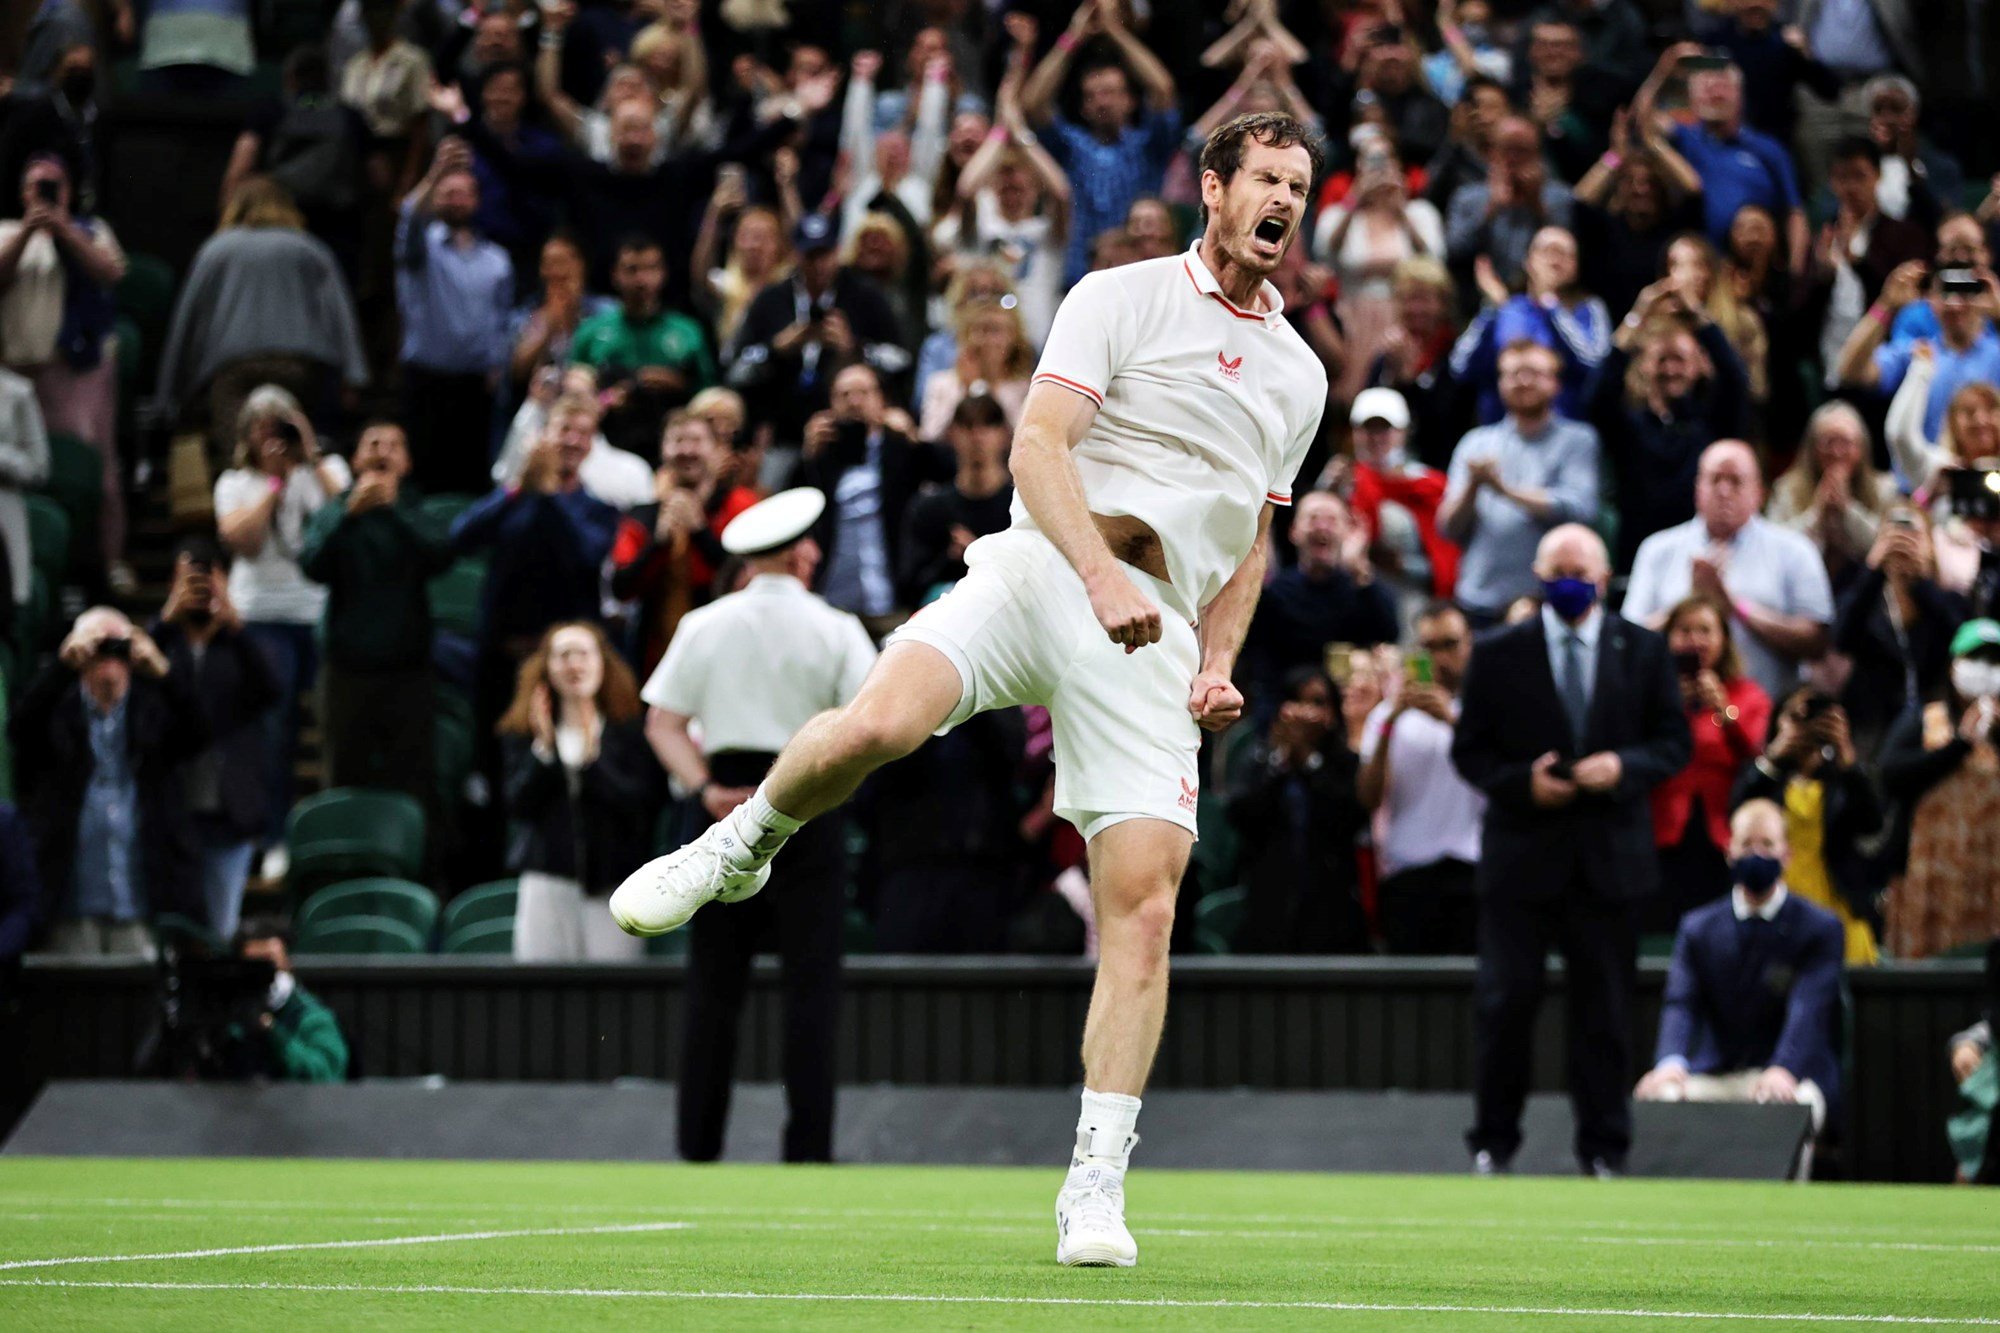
x=1831 y=492
x=994 y=358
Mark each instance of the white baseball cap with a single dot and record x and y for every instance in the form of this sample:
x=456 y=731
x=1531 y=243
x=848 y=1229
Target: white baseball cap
x=1380 y=404
x=773 y=524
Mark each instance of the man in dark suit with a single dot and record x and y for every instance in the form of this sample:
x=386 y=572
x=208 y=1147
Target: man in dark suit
x=1568 y=721
x=1754 y=987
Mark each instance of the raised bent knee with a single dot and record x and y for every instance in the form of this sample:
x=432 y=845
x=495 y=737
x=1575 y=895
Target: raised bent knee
x=869 y=736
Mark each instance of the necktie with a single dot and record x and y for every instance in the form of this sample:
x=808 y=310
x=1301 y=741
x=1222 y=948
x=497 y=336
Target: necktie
x=1575 y=702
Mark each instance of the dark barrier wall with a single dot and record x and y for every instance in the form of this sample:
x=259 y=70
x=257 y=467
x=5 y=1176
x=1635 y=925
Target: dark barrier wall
x=1291 y=1023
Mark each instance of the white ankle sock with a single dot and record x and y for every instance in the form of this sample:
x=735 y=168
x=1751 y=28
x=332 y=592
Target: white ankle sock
x=1104 y=1132
x=760 y=829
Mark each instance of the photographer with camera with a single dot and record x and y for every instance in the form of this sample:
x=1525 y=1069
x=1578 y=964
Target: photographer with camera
x=301 y=1039
x=1894 y=624
x=105 y=730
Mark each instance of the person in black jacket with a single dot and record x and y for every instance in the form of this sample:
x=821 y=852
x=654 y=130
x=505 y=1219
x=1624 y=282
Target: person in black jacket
x=20 y=909
x=583 y=789
x=103 y=732
x=223 y=788
x=946 y=519
x=1895 y=624
x=1568 y=721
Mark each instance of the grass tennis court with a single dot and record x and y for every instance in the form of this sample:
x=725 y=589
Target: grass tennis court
x=212 y=1245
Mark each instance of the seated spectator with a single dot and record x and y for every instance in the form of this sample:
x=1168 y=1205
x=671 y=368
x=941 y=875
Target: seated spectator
x=455 y=293
x=620 y=479
x=311 y=144
x=869 y=471
x=649 y=359
x=1961 y=243
x=889 y=254
x=57 y=269
x=302 y=1039
x=263 y=303
x=262 y=504
x=1569 y=100
x=1152 y=227
x=225 y=788
x=1330 y=595
x=946 y=519
x=669 y=553
x=1832 y=815
x=1428 y=817
x=1939 y=761
x=1414 y=356
x=1967 y=435
x=1920 y=182
x=994 y=361
x=1291 y=799
x=901 y=161
x=1364 y=237
x=976 y=282
x=1469 y=51
x=105 y=729
x=545 y=327
x=757 y=253
x=1832 y=492
x=20 y=904
x=725 y=412
x=1497 y=218
x=1753 y=994
x=1111 y=158
x=1552 y=309
x=583 y=793
x=1858 y=248
x=24 y=466
x=1397 y=498
x=1632 y=201
x=1770 y=577
x=375 y=553
x=1512 y=481
x=1727 y=716
x=1613 y=33
x=1693 y=267
x=1670 y=387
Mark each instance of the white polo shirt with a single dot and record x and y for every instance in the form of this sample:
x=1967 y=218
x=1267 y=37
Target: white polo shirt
x=1206 y=410
x=755 y=666
x=1428 y=811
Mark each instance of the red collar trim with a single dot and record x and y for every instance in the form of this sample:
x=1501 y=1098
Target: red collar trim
x=1220 y=299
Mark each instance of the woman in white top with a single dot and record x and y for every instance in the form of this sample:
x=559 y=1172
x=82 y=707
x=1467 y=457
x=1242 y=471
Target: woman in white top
x=668 y=71
x=1363 y=237
x=892 y=162
x=1971 y=431
x=262 y=504
x=994 y=358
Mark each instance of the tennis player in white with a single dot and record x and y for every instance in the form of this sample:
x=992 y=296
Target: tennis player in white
x=1171 y=409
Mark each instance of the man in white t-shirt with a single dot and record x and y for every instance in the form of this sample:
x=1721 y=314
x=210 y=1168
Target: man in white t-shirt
x=1172 y=407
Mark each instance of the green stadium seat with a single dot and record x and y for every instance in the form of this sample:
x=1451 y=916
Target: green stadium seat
x=673 y=944
x=145 y=295
x=172 y=927
x=48 y=537
x=1218 y=918
x=444 y=508
x=76 y=482
x=35 y=620
x=480 y=903
x=350 y=832
x=1656 y=946
x=495 y=936
x=359 y=934
x=451 y=746
x=399 y=900
x=858 y=932
x=455 y=597
x=131 y=360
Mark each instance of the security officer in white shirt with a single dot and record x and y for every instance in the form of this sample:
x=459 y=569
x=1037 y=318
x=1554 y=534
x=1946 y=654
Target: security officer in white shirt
x=751 y=668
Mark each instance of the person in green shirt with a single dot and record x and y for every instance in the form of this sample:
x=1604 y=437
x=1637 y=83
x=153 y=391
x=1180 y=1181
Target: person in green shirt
x=649 y=360
x=302 y=1039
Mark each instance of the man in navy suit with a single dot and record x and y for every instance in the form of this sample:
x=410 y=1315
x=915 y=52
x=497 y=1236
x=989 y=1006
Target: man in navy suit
x=1754 y=987
x=1569 y=719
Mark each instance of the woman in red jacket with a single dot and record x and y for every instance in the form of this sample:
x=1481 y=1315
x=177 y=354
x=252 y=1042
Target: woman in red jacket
x=1728 y=714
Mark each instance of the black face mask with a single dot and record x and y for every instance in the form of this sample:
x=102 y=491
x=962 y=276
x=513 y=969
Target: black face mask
x=78 y=85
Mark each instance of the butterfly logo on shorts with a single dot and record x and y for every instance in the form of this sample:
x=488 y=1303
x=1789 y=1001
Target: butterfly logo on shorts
x=1231 y=370
x=1188 y=794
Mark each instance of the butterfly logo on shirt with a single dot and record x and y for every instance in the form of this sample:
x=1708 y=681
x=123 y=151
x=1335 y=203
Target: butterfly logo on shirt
x=1231 y=370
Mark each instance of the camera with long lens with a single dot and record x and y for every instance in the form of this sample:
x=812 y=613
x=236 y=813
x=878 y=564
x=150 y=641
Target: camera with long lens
x=207 y=1025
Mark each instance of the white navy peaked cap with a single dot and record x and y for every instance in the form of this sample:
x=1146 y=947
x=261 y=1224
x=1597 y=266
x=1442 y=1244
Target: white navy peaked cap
x=773 y=524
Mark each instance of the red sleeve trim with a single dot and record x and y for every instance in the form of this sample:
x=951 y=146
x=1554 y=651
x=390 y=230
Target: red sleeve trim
x=1072 y=385
x=1277 y=499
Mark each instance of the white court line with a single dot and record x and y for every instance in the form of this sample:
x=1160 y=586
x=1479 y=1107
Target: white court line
x=369 y=1243
x=1151 y=1303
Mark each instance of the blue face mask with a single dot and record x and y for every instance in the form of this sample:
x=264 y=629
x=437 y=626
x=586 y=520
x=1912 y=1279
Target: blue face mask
x=1569 y=598
x=1757 y=874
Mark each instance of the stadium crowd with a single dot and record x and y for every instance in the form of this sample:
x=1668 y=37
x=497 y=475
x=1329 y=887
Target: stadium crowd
x=511 y=308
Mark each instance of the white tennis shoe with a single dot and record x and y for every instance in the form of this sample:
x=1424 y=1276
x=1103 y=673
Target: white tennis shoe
x=1090 y=1220
x=663 y=894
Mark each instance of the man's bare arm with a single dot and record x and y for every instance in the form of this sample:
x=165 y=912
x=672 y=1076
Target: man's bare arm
x=1226 y=620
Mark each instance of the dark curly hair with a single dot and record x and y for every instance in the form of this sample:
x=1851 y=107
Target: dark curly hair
x=1223 y=153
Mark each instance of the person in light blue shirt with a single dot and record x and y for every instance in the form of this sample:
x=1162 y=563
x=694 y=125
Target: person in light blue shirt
x=1512 y=481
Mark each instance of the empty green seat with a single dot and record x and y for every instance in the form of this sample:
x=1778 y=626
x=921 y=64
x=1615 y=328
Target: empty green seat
x=398 y=899
x=76 y=482
x=35 y=620
x=145 y=295
x=495 y=936
x=1218 y=919
x=359 y=934
x=350 y=832
x=479 y=904
x=48 y=536
x=455 y=597
x=673 y=944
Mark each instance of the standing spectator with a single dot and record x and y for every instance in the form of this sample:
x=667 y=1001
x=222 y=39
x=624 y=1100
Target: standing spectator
x=669 y=554
x=1832 y=492
x=1832 y=815
x=1387 y=87
x=1671 y=387
x=1753 y=993
x=62 y=120
x=1632 y=201
x=1397 y=498
x=24 y=465
x=455 y=292
x=1770 y=577
x=1613 y=32
x=1110 y=158
x=1498 y=217
x=758 y=254
x=224 y=789
x=1569 y=100
x=1777 y=64
x=1552 y=309
x=375 y=552
x=889 y=253
x=583 y=790
x=1895 y=624
x=262 y=505
x=388 y=82
x=901 y=162
x=1968 y=429
x=1365 y=237
x=1414 y=359
x=1330 y=595
x=869 y=472
x=620 y=479
x=106 y=728
x=1727 y=717
x=1464 y=160
x=1940 y=762
x=1291 y=798
x=1566 y=760
x=263 y=303
x=1512 y=482
x=545 y=327
x=312 y=145
x=1428 y=817
x=994 y=360
x=1695 y=268
x=944 y=520
x=1858 y=248
x=1920 y=182
x=57 y=269
x=516 y=209
x=973 y=282
x=649 y=359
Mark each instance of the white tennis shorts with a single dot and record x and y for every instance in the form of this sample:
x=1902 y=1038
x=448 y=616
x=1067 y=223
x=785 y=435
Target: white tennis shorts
x=1020 y=630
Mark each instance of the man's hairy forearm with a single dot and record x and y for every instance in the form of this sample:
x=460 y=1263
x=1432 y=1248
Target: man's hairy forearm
x=1051 y=489
x=1226 y=620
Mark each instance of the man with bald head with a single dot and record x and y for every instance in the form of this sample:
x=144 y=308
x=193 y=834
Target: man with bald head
x=1771 y=578
x=1569 y=719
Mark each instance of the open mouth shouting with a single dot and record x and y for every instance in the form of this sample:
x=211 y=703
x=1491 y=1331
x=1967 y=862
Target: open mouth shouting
x=1268 y=236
